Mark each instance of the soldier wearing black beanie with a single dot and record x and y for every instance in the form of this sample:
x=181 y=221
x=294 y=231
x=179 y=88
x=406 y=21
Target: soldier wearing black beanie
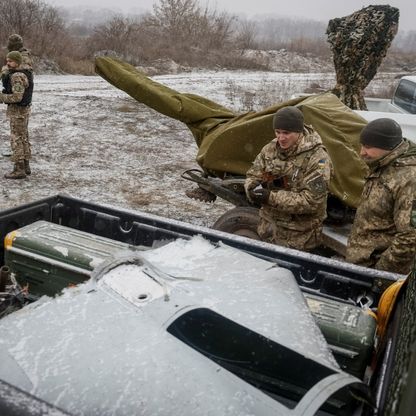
x=289 y=181
x=382 y=235
x=383 y=133
x=288 y=118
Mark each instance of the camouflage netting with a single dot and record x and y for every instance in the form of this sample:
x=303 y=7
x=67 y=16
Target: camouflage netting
x=359 y=42
x=228 y=143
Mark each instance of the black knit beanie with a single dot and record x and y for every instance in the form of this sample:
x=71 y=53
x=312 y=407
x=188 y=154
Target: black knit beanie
x=288 y=118
x=383 y=133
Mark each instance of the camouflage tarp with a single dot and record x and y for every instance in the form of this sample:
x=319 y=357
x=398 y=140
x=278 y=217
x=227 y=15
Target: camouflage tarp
x=359 y=42
x=228 y=143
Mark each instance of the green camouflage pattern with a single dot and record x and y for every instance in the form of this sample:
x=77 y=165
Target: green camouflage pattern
x=229 y=142
x=359 y=42
x=19 y=83
x=27 y=62
x=19 y=135
x=18 y=117
x=298 y=180
x=414 y=214
x=382 y=235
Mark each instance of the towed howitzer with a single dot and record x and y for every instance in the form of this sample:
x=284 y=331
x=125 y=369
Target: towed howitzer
x=229 y=142
x=231 y=190
x=243 y=219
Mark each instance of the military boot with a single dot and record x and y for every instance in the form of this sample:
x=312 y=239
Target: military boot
x=27 y=167
x=18 y=172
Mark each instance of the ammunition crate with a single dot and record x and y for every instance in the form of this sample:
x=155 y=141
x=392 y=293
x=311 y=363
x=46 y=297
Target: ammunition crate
x=49 y=257
x=348 y=329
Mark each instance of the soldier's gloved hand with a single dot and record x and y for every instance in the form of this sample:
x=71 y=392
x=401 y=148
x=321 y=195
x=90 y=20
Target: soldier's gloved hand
x=260 y=196
x=251 y=186
x=249 y=190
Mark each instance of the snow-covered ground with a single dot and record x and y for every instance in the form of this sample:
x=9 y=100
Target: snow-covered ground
x=92 y=141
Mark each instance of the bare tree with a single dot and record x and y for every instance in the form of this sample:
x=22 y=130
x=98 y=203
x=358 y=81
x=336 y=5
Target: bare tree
x=114 y=34
x=219 y=31
x=18 y=16
x=185 y=31
x=176 y=19
x=40 y=24
x=48 y=34
x=128 y=37
x=246 y=34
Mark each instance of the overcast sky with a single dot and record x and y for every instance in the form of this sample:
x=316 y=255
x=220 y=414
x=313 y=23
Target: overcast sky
x=322 y=10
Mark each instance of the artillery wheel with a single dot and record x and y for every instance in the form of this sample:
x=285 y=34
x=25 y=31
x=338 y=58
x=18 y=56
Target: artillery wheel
x=241 y=221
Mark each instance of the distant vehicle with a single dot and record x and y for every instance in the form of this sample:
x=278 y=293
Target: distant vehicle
x=178 y=319
x=401 y=107
x=403 y=100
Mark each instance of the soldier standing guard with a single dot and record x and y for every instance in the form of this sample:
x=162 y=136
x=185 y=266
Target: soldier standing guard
x=15 y=43
x=289 y=179
x=382 y=235
x=17 y=94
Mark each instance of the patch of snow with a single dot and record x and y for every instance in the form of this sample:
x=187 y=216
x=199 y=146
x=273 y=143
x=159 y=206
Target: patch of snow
x=62 y=250
x=134 y=284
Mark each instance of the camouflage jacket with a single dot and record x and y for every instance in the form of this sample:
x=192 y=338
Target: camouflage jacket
x=27 y=62
x=298 y=180
x=382 y=235
x=19 y=83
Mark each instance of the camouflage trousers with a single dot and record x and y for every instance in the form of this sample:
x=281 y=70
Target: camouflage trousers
x=19 y=135
x=305 y=240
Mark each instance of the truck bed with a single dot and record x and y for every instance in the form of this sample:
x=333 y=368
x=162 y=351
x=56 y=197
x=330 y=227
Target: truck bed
x=315 y=274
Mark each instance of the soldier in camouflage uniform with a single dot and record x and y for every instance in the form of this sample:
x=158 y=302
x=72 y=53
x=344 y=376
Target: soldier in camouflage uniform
x=289 y=179
x=382 y=235
x=17 y=94
x=15 y=43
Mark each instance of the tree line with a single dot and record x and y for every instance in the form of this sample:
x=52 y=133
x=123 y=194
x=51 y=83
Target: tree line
x=181 y=30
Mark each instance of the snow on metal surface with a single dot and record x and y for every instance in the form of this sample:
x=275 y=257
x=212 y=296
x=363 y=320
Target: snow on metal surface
x=134 y=284
x=91 y=350
x=62 y=250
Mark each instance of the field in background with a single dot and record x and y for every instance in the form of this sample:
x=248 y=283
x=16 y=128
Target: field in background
x=93 y=141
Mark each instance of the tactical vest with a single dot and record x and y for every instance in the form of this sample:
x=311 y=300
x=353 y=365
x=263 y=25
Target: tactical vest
x=7 y=86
